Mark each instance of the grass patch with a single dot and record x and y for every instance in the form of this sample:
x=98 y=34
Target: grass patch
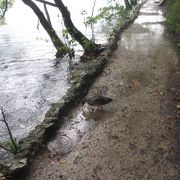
x=173 y=16
x=10 y=146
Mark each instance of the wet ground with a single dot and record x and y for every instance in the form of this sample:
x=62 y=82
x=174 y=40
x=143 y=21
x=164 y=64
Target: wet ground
x=134 y=137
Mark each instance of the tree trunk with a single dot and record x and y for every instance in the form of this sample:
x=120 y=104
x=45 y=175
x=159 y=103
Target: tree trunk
x=47 y=15
x=128 y=5
x=133 y=2
x=88 y=46
x=60 y=47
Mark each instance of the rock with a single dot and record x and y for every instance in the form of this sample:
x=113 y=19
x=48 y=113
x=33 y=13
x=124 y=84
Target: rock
x=161 y=93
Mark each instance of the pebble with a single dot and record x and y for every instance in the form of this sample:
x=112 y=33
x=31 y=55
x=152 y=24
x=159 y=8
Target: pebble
x=161 y=93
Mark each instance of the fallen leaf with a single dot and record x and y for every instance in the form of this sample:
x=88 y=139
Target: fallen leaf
x=85 y=146
x=97 y=168
x=62 y=161
x=61 y=176
x=136 y=83
x=115 y=136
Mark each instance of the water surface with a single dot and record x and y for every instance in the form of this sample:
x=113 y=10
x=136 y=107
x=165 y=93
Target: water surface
x=31 y=79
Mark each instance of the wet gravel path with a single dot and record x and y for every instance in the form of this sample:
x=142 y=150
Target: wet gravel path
x=135 y=137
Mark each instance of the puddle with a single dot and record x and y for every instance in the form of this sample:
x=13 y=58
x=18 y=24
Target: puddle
x=80 y=123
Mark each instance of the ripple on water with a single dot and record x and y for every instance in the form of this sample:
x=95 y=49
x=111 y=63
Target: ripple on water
x=61 y=145
x=31 y=78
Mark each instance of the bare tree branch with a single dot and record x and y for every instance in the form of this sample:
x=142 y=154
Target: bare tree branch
x=94 y=4
x=1 y=146
x=38 y=24
x=9 y=131
x=4 y=12
x=48 y=3
x=47 y=14
x=92 y=25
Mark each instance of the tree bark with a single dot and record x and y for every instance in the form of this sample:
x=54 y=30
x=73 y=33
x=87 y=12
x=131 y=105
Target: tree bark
x=47 y=2
x=47 y=15
x=133 y=2
x=88 y=46
x=128 y=5
x=60 y=47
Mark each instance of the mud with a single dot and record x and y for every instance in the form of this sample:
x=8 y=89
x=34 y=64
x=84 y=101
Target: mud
x=134 y=137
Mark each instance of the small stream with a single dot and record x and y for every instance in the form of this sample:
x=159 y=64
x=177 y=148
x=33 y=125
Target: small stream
x=31 y=78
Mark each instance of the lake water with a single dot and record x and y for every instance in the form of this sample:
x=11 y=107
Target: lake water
x=31 y=78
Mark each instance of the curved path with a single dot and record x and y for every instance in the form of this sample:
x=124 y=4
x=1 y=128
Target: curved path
x=134 y=137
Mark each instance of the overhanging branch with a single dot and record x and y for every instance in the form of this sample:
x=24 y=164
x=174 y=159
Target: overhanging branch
x=48 y=3
x=4 y=12
x=47 y=14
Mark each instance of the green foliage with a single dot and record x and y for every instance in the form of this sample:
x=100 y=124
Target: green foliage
x=68 y=40
x=107 y=13
x=3 y=8
x=3 y=3
x=87 y=44
x=9 y=145
x=173 y=16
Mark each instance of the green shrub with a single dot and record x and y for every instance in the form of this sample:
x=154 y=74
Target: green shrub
x=173 y=16
x=9 y=145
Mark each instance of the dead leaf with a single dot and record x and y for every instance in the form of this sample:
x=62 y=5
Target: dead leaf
x=85 y=146
x=62 y=161
x=97 y=168
x=61 y=176
x=136 y=83
x=115 y=136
